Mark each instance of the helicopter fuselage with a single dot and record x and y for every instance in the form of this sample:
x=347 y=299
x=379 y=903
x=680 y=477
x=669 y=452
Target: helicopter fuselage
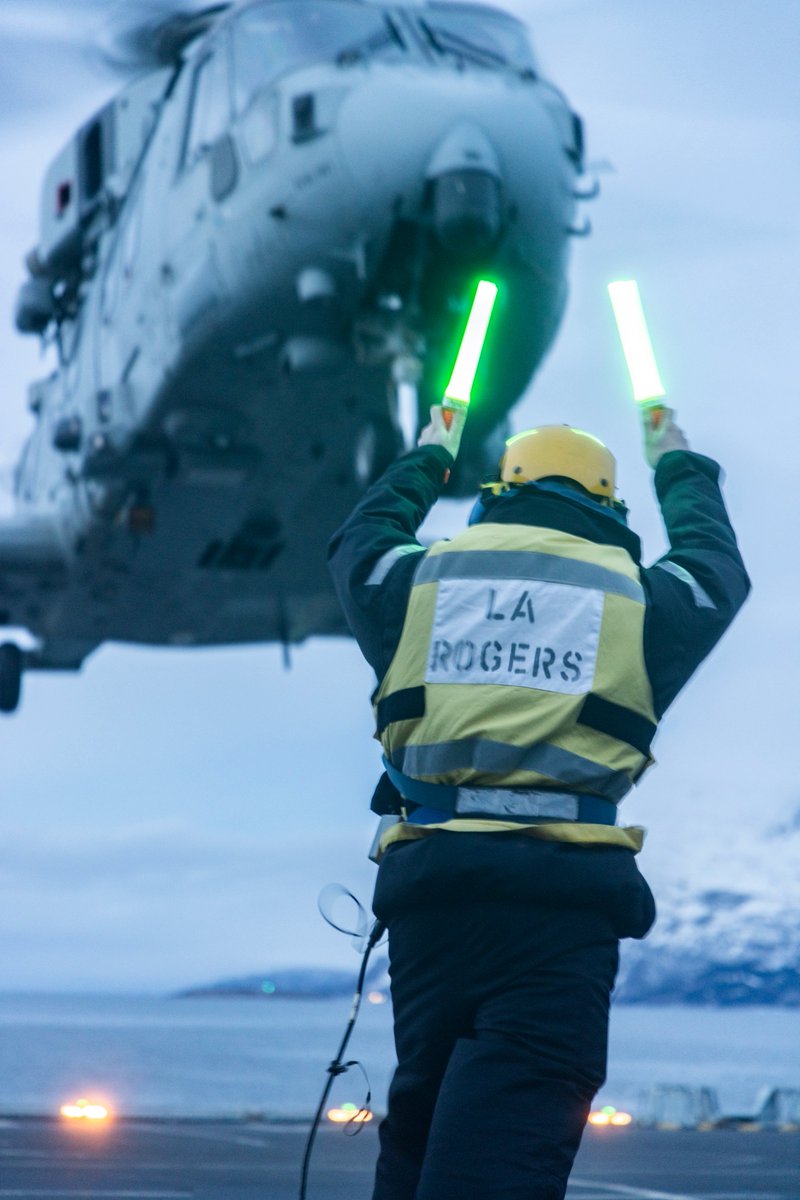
x=240 y=313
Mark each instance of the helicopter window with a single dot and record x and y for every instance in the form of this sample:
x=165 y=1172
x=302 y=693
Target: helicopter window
x=92 y=163
x=272 y=39
x=488 y=39
x=209 y=111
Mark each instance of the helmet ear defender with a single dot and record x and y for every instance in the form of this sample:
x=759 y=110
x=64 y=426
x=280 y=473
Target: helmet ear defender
x=489 y=491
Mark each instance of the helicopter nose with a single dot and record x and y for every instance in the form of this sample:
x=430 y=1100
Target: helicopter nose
x=466 y=192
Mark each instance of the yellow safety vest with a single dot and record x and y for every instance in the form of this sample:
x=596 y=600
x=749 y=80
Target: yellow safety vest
x=521 y=665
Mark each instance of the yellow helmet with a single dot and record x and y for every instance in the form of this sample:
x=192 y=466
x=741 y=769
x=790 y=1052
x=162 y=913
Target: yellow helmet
x=559 y=450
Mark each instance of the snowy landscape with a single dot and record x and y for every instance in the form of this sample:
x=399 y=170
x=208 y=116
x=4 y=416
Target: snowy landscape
x=716 y=942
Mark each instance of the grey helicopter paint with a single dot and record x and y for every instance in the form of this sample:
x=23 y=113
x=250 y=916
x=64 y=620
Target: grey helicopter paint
x=254 y=265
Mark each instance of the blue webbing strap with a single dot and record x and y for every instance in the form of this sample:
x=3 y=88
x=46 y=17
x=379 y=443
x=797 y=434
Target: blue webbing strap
x=437 y=801
x=435 y=795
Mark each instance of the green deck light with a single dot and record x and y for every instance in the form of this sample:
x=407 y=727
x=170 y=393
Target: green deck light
x=459 y=390
x=636 y=345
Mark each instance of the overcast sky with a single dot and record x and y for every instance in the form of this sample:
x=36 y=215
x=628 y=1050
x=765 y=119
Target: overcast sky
x=169 y=817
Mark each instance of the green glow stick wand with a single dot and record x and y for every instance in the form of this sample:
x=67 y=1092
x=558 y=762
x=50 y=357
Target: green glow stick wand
x=648 y=390
x=459 y=390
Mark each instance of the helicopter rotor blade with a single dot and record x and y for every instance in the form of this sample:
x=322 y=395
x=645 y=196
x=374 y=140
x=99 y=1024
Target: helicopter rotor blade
x=158 y=35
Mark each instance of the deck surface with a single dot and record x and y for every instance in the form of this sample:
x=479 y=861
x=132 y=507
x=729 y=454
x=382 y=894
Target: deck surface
x=179 y=1160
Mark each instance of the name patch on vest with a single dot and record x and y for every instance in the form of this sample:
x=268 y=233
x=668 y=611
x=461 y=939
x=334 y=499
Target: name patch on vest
x=518 y=632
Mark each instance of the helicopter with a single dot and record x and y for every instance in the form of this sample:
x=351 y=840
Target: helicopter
x=253 y=266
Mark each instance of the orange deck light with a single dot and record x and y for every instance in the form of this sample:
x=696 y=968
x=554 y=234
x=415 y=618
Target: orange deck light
x=85 y=1110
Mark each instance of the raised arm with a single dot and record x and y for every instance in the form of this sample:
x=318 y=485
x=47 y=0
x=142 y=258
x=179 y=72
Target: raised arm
x=373 y=555
x=696 y=589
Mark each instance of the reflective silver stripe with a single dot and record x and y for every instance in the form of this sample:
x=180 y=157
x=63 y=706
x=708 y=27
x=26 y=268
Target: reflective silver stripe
x=513 y=802
x=526 y=564
x=701 y=596
x=500 y=758
x=386 y=561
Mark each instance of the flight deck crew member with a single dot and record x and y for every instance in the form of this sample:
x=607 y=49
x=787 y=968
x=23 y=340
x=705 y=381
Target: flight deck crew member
x=522 y=670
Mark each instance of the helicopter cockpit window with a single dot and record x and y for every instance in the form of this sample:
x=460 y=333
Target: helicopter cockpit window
x=486 y=39
x=271 y=39
x=210 y=113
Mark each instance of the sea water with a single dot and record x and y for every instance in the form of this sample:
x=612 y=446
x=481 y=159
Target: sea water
x=267 y=1057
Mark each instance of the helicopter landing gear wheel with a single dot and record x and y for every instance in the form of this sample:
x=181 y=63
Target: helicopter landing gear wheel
x=11 y=664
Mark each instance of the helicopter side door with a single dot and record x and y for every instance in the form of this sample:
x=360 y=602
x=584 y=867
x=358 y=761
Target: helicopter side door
x=196 y=288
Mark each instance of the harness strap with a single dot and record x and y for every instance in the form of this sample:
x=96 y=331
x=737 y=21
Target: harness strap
x=437 y=801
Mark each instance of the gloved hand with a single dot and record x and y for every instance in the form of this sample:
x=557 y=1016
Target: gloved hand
x=661 y=434
x=436 y=432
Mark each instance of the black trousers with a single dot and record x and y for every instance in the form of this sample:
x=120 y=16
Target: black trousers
x=501 y=1028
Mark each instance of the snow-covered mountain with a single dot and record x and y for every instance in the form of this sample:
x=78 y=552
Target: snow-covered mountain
x=728 y=929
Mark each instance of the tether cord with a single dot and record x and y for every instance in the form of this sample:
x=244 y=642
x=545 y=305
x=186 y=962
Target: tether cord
x=337 y=1067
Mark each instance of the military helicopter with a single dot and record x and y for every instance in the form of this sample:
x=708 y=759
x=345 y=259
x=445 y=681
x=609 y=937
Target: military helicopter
x=253 y=266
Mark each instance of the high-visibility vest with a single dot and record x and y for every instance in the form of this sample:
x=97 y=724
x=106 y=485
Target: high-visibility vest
x=521 y=664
